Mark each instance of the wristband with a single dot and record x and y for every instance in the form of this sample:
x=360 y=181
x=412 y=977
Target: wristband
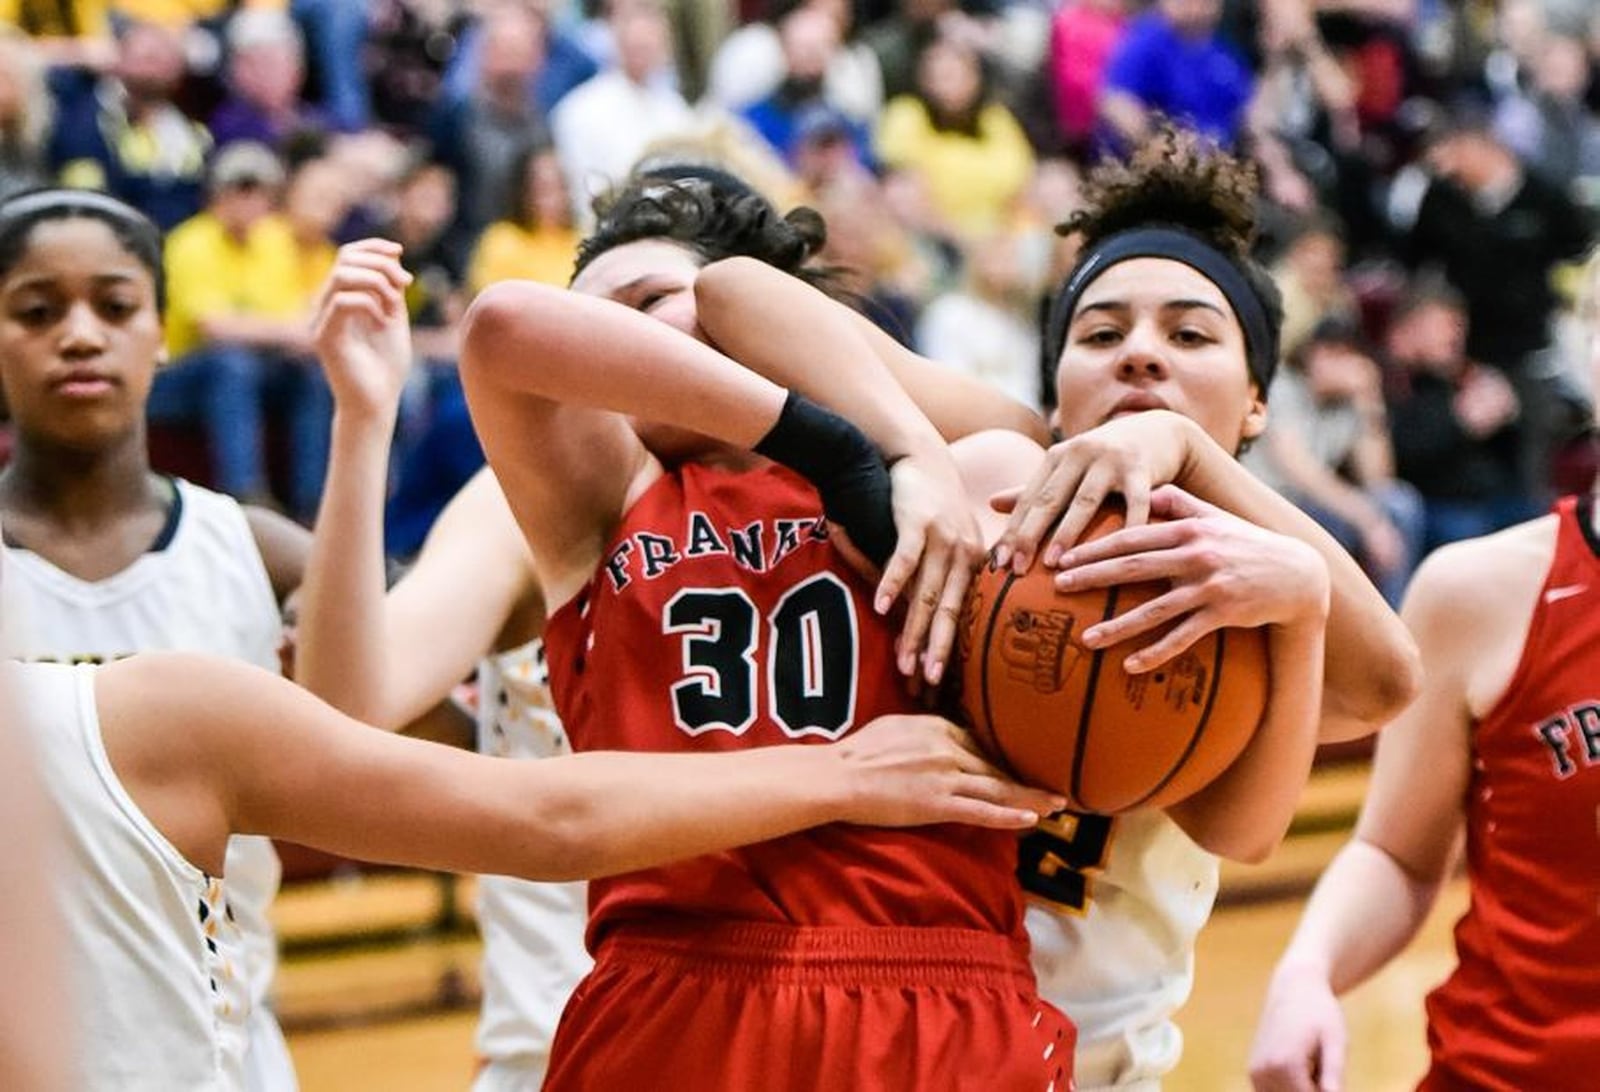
x=847 y=470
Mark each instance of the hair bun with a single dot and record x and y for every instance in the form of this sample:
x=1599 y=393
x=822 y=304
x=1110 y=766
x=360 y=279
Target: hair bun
x=809 y=226
x=714 y=214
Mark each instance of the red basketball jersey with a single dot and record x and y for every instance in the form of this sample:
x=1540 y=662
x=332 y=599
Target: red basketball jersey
x=722 y=618
x=1522 y=1010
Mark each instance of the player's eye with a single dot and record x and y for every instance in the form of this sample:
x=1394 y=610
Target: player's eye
x=1190 y=337
x=117 y=308
x=1100 y=337
x=32 y=314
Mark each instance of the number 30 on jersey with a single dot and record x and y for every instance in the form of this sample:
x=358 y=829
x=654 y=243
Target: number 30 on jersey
x=807 y=644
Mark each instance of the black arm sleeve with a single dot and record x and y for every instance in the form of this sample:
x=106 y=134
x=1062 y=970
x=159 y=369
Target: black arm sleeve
x=848 y=471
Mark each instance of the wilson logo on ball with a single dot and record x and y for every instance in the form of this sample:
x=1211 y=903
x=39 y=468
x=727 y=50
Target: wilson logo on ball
x=1038 y=650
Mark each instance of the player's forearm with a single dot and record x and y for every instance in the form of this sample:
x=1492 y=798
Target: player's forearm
x=607 y=813
x=958 y=405
x=1364 y=911
x=784 y=329
x=1371 y=669
x=568 y=348
x=340 y=655
x=583 y=816
x=1244 y=814
x=284 y=764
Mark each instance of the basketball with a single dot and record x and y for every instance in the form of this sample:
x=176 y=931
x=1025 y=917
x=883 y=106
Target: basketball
x=1069 y=719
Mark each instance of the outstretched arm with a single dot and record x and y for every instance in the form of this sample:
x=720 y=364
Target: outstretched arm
x=208 y=747
x=1469 y=606
x=387 y=658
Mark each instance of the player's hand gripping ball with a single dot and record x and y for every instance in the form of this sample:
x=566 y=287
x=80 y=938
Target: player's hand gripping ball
x=1069 y=719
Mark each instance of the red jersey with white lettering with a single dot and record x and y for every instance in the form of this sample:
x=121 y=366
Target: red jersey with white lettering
x=722 y=619
x=1522 y=1010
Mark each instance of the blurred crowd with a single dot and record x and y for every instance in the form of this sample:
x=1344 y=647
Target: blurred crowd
x=1430 y=173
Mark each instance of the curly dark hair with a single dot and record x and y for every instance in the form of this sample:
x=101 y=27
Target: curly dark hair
x=714 y=214
x=1177 y=179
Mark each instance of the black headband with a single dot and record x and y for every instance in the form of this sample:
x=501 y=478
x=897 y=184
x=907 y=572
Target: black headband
x=1174 y=244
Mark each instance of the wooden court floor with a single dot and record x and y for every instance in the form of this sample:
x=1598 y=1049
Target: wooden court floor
x=417 y=1048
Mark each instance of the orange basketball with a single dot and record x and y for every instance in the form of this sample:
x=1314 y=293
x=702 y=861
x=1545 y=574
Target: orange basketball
x=1070 y=719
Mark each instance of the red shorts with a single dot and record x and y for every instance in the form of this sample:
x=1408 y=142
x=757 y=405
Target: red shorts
x=737 y=1006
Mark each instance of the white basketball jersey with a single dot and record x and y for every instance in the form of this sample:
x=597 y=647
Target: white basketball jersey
x=204 y=589
x=158 y=1000
x=533 y=953
x=1115 y=905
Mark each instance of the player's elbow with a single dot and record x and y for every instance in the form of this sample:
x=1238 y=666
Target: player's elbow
x=1019 y=418
x=1226 y=832
x=1249 y=850
x=561 y=850
x=1250 y=847
x=720 y=287
x=1399 y=685
x=501 y=319
x=575 y=841
x=1389 y=683
x=721 y=279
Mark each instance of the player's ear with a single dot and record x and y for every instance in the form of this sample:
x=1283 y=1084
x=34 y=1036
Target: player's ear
x=1255 y=416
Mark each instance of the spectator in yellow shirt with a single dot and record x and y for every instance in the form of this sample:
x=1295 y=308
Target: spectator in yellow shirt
x=963 y=144
x=537 y=239
x=73 y=33
x=237 y=331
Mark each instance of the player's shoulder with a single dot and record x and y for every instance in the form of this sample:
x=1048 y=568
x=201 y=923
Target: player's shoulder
x=1460 y=564
x=175 y=681
x=996 y=458
x=1485 y=580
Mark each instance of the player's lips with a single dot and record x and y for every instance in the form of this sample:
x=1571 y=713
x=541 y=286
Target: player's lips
x=84 y=383
x=1136 y=402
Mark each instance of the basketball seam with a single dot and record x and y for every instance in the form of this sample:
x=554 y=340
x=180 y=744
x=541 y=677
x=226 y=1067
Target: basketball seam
x=983 y=687
x=1199 y=729
x=1087 y=713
